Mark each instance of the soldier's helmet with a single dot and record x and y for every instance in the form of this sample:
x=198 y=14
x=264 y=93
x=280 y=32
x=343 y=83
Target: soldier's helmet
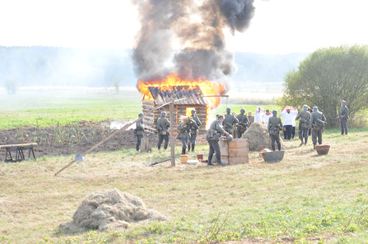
x=242 y=111
x=228 y=110
x=305 y=107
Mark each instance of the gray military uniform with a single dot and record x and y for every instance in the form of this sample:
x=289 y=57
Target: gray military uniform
x=229 y=122
x=274 y=127
x=194 y=131
x=242 y=125
x=344 y=116
x=304 y=125
x=163 y=125
x=213 y=137
x=184 y=133
x=318 y=121
x=139 y=132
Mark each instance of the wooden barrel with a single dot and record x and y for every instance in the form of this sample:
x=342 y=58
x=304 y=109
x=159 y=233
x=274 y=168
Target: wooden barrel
x=235 y=151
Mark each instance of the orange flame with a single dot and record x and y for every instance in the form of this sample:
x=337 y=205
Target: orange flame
x=210 y=90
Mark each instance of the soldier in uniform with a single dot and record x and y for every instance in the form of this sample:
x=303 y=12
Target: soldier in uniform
x=163 y=125
x=229 y=121
x=194 y=130
x=184 y=128
x=318 y=122
x=304 y=125
x=274 y=127
x=139 y=131
x=213 y=136
x=344 y=116
x=243 y=123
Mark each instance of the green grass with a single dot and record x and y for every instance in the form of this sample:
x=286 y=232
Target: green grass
x=43 y=110
x=303 y=199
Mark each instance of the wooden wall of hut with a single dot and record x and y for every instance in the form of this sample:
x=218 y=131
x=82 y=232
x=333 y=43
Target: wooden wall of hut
x=151 y=114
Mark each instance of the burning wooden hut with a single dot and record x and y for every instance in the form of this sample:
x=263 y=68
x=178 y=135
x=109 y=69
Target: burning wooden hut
x=185 y=100
x=199 y=94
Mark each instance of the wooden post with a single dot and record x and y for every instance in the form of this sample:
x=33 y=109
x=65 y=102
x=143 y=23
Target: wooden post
x=172 y=127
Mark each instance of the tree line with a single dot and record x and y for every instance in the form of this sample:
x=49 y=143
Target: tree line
x=326 y=77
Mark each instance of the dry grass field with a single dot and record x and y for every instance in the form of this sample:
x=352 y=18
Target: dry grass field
x=306 y=198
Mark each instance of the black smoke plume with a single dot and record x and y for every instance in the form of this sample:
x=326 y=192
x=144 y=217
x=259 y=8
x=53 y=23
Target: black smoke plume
x=197 y=27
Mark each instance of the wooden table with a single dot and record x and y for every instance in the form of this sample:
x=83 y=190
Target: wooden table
x=19 y=151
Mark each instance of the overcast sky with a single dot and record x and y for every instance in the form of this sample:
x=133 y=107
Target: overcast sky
x=279 y=26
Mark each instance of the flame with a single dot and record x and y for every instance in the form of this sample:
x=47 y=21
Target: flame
x=210 y=90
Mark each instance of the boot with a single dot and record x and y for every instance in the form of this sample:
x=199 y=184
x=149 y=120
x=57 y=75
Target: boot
x=193 y=147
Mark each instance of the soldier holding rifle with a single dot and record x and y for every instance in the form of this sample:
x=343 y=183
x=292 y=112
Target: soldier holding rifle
x=163 y=125
x=318 y=122
x=194 y=130
x=243 y=123
x=213 y=136
x=344 y=116
x=229 y=122
x=274 y=127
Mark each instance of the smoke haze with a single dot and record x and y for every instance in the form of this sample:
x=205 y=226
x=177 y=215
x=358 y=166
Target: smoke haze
x=55 y=66
x=198 y=28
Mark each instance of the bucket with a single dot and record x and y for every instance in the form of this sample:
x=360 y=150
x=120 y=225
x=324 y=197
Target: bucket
x=184 y=159
x=200 y=157
x=273 y=156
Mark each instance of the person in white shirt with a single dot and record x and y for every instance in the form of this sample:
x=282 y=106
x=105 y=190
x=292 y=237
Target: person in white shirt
x=258 y=116
x=266 y=116
x=289 y=121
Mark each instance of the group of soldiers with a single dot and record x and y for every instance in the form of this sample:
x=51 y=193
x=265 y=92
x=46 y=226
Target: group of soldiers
x=228 y=126
x=311 y=122
x=187 y=131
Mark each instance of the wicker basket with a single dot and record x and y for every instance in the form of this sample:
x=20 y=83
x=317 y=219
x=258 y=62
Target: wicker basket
x=322 y=149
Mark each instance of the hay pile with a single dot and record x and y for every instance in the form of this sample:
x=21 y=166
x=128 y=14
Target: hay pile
x=110 y=209
x=257 y=137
